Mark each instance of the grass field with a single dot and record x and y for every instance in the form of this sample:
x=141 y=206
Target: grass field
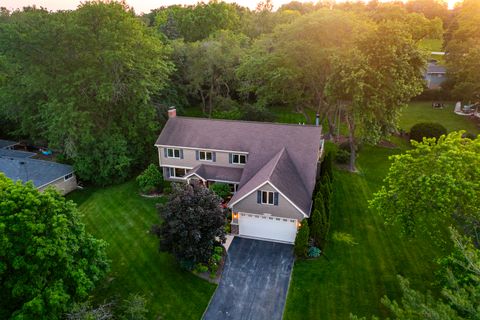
x=121 y=217
x=423 y=112
x=355 y=277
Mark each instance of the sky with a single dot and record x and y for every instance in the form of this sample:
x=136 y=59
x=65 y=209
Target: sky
x=139 y=5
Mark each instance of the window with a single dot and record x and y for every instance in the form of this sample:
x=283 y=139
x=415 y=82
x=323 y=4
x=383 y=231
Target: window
x=68 y=176
x=239 y=158
x=173 y=153
x=206 y=156
x=177 y=172
x=267 y=197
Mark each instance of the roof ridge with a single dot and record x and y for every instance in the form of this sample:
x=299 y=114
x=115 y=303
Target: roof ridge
x=250 y=121
x=278 y=156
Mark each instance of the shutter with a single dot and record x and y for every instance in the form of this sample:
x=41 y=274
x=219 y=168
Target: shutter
x=275 y=198
x=181 y=153
x=197 y=155
x=165 y=152
x=230 y=158
x=214 y=156
x=259 y=196
x=167 y=172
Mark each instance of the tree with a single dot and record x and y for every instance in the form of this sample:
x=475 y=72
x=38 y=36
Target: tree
x=371 y=82
x=433 y=185
x=48 y=260
x=301 y=240
x=210 y=69
x=83 y=82
x=290 y=66
x=460 y=300
x=192 y=223
x=150 y=180
x=320 y=225
x=463 y=47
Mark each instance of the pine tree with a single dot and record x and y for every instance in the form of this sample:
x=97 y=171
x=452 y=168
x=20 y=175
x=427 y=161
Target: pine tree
x=301 y=241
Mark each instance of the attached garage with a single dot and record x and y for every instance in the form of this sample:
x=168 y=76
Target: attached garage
x=267 y=227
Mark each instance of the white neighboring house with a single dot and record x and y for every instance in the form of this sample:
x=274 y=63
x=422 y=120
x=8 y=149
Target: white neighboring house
x=271 y=169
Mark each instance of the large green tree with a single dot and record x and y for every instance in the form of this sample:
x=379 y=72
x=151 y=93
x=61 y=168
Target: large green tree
x=82 y=81
x=463 y=49
x=47 y=259
x=372 y=81
x=290 y=67
x=435 y=184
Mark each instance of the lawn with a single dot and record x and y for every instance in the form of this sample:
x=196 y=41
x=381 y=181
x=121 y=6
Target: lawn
x=422 y=111
x=123 y=218
x=353 y=278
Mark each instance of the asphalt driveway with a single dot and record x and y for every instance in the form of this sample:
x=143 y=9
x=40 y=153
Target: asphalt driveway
x=254 y=283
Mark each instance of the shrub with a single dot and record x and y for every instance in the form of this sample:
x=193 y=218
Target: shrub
x=221 y=189
x=326 y=166
x=200 y=268
x=342 y=156
x=314 y=252
x=150 y=180
x=428 y=130
x=218 y=250
x=301 y=240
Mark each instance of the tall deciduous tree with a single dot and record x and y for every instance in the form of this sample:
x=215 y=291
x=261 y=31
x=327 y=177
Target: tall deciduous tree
x=463 y=49
x=371 y=82
x=290 y=66
x=433 y=184
x=192 y=222
x=47 y=259
x=210 y=68
x=82 y=81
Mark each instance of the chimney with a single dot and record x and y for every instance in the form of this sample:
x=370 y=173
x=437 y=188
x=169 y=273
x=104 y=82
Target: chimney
x=172 y=112
x=317 y=120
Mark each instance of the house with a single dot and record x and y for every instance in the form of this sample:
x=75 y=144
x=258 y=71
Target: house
x=271 y=168
x=20 y=166
x=7 y=144
x=435 y=75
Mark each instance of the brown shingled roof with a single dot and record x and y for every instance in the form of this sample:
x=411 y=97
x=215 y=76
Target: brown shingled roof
x=284 y=154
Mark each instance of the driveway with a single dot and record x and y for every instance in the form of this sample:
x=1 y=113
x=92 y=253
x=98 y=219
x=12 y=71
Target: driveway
x=254 y=282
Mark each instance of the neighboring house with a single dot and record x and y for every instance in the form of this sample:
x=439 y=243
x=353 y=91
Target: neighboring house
x=435 y=75
x=7 y=144
x=19 y=166
x=271 y=168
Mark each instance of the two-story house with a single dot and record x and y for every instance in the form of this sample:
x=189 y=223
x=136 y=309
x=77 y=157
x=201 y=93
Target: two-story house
x=270 y=167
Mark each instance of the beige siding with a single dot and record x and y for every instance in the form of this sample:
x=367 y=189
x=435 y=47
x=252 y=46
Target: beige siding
x=284 y=209
x=63 y=186
x=189 y=159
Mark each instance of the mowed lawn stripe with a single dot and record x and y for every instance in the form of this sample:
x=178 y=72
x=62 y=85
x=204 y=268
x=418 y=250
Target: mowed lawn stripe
x=355 y=277
x=123 y=218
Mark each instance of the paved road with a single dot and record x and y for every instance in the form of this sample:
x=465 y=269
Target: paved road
x=254 y=283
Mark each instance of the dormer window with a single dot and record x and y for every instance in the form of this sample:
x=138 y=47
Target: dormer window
x=238 y=158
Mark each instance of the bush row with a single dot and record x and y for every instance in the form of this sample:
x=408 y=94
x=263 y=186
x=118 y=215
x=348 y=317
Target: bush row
x=312 y=235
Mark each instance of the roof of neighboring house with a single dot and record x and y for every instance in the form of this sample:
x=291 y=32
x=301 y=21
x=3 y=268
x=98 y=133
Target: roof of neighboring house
x=284 y=154
x=435 y=68
x=218 y=173
x=16 y=153
x=6 y=143
x=40 y=172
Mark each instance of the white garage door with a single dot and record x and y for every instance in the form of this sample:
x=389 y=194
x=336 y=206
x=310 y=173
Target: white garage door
x=269 y=228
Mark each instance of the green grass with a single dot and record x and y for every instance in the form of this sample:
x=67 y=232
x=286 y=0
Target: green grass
x=355 y=277
x=431 y=45
x=120 y=216
x=423 y=112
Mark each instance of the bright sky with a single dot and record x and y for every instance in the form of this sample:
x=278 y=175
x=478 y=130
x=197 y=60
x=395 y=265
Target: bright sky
x=138 y=5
